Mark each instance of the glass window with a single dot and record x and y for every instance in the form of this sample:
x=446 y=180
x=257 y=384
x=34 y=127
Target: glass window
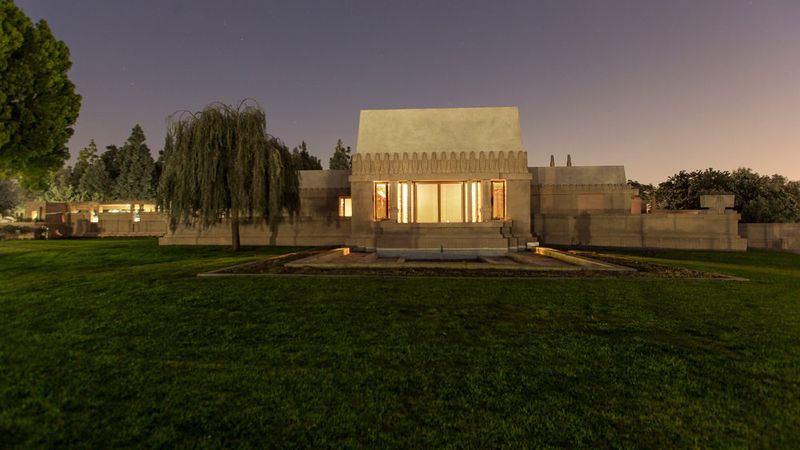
x=345 y=207
x=403 y=206
x=381 y=201
x=475 y=201
x=427 y=202
x=451 y=197
x=498 y=199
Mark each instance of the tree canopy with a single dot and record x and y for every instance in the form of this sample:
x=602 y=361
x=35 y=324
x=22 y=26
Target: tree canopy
x=38 y=103
x=758 y=198
x=136 y=166
x=221 y=163
x=11 y=194
x=303 y=160
x=341 y=159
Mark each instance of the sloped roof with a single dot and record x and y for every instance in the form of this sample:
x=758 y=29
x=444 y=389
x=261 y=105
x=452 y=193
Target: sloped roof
x=439 y=129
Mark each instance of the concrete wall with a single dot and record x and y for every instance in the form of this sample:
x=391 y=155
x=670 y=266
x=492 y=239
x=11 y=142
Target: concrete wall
x=441 y=166
x=435 y=130
x=317 y=223
x=579 y=190
x=117 y=224
x=772 y=236
x=695 y=230
x=303 y=231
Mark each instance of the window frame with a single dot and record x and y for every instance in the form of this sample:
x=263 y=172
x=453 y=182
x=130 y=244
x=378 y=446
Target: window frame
x=505 y=199
x=343 y=205
x=388 y=208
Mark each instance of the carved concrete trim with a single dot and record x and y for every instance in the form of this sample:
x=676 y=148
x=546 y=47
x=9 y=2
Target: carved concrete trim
x=440 y=163
x=548 y=188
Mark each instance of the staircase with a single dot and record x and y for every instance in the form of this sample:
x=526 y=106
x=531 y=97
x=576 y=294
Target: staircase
x=514 y=242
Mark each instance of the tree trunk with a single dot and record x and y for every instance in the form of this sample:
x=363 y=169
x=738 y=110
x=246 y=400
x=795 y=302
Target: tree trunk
x=235 y=230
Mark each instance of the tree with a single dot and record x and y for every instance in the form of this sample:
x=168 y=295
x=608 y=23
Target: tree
x=60 y=188
x=135 y=168
x=683 y=190
x=112 y=159
x=758 y=198
x=793 y=188
x=341 y=157
x=95 y=183
x=38 y=103
x=646 y=191
x=158 y=168
x=11 y=195
x=304 y=160
x=86 y=157
x=220 y=163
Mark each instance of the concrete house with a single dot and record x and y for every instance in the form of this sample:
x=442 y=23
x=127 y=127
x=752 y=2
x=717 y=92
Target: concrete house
x=455 y=182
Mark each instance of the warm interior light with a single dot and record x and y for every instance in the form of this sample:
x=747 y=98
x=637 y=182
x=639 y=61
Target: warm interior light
x=498 y=199
x=381 y=201
x=451 y=201
x=403 y=206
x=345 y=207
x=475 y=187
x=427 y=202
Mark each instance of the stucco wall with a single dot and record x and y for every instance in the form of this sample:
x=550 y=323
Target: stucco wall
x=433 y=130
x=317 y=223
x=695 y=230
x=772 y=236
x=117 y=224
x=303 y=231
x=579 y=190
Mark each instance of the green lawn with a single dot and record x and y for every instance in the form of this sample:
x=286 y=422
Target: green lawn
x=117 y=343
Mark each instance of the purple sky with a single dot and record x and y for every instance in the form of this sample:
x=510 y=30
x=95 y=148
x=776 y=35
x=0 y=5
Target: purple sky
x=658 y=86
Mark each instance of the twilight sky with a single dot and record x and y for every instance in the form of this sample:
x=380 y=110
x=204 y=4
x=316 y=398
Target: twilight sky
x=658 y=86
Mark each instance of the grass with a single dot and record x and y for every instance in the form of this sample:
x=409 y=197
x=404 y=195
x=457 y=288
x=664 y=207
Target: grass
x=110 y=343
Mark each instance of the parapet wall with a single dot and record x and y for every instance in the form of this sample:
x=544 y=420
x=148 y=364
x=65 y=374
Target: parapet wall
x=772 y=236
x=580 y=190
x=689 y=230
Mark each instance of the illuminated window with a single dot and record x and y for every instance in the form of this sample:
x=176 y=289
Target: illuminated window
x=381 y=201
x=498 y=199
x=451 y=202
x=403 y=202
x=345 y=207
x=427 y=202
x=440 y=202
x=473 y=209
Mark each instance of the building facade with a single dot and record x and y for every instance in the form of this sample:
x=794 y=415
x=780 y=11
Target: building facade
x=455 y=183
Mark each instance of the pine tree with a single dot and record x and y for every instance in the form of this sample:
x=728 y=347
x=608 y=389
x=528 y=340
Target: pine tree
x=341 y=157
x=135 y=169
x=86 y=157
x=38 y=103
x=95 y=183
x=111 y=158
x=303 y=160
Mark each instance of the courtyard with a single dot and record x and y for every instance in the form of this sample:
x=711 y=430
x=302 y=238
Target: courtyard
x=118 y=343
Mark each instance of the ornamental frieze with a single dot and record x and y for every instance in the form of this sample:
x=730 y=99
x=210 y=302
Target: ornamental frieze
x=440 y=162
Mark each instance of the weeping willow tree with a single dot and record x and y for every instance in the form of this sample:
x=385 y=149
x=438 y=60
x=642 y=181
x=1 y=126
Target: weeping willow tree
x=220 y=163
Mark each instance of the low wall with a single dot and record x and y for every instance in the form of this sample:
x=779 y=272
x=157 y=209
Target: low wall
x=301 y=231
x=118 y=224
x=772 y=236
x=691 y=230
